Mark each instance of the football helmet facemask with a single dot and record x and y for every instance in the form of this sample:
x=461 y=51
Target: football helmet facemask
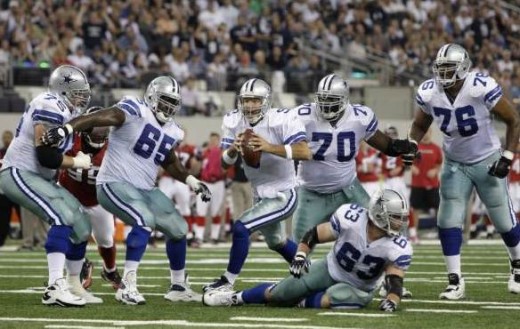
x=254 y=89
x=164 y=98
x=71 y=85
x=451 y=64
x=389 y=211
x=332 y=97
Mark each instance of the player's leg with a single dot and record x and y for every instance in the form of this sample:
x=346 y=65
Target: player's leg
x=314 y=209
x=455 y=191
x=43 y=198
x=201 y=211
x=103 y=230
x=218 y=192
x=182 y=196
x=264 y=212
x=343 y=296
x=494 y=194
x=130 y=205
x=288 y=292
x=170 y=222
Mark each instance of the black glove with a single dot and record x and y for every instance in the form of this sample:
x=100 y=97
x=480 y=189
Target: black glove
x=412 y=154
x=500 y=168
x=299 y=265
x=388 y=305
x=205 y=193
x=55 y=135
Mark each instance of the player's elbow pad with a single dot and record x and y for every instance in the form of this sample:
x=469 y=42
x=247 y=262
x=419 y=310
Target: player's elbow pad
x=394 y=284
x=49 y=157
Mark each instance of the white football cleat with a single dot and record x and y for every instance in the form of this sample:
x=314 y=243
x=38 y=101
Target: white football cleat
x=127 y=292
x=59 y=294
x=220 y=298
x=513 y=285
x=221 y=284
x=181 y=292
x=456 y=288
x=76 y=288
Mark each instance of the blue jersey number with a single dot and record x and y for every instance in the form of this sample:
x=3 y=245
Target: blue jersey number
x=147 y=143
x=348 y=256
x=464 y=116
x=342 y=137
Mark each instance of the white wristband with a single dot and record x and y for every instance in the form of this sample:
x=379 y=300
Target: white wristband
x=508 y=155
x=288 y=152
x=69 y=128
x=227 y=159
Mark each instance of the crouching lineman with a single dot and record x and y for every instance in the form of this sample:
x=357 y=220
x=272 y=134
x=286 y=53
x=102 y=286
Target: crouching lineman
x=82 y=184
x=143 y=138
x=368 y=245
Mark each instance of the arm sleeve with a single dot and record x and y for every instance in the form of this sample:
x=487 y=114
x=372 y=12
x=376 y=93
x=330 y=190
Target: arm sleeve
x=130 y=106
x=293 y=130
x=47 y=116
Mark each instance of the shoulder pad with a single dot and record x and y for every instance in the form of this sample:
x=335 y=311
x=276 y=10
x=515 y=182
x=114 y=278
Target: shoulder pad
x=232 y=119
x=362 y=113
x=426 y=90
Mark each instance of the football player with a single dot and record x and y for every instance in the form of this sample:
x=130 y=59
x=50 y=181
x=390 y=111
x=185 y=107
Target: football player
x=335 y=129
x=143 y=137
x=280 y=136
x=368 y=246
x=27 y=178
x=462 y=103
x=82 y=184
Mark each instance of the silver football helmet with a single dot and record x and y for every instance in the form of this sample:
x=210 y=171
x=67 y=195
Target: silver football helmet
x=389 y=211
x=163 y=95
x=71 y=85
x=254 y=89
x=97 y=136
x=332 y=97
x=451 y=64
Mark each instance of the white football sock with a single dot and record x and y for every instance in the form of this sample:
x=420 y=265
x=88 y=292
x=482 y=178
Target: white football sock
x=231 y=277
x=215 y=230
x=177 y=276
x=199 y=231
x=56 y=263
x=514 y=252
x=453 y=264
x=74 y=266
x=130 y=265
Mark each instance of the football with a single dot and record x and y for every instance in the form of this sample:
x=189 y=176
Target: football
x=251 y=158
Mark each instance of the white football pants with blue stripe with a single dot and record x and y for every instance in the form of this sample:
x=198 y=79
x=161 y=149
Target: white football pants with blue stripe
x=47 y=200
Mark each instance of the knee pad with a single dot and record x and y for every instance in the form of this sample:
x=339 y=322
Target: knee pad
x=77 y=251
x=58 y=239
x=240 y=231
x=138 y=237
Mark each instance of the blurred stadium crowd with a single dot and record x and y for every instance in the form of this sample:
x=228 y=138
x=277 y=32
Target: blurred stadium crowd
x=221 y=43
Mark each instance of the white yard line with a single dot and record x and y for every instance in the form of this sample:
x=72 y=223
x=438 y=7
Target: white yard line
x=59 y=326
x=173 y=323
x=251 y=318
x=456 y=302
x=502 y=307
x=365 y=315
x=434 y=310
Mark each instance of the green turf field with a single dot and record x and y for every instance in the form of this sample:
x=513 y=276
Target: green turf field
x=488 y=304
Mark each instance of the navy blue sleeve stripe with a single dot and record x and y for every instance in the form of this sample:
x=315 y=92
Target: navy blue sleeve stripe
x=132 y=104
x=419 y=100
x=128 y=109
x=224 y=146
x=492 y=92
x=497 y=95
x=372 y=125
x=42 y=115
x=298 y=139
x=227 y=140
x=334 y=222
x=290 y=139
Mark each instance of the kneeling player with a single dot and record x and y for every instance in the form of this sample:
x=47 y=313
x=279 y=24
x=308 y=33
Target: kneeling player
x=368 y=245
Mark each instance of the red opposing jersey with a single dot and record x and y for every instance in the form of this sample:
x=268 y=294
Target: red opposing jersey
x=211 y=165
x=514 y=173
x=431 y=157
x=82 y=182
x=368 y=165
x=391 y=163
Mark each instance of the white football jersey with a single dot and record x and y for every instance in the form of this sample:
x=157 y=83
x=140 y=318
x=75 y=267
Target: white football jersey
x=47 y=109
x=279 y=126
x=469 y=135
x=355 y=261
x=333 y=149
x=137 y=148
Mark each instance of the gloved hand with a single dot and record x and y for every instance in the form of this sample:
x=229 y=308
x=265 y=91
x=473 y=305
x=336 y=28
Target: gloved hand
x=388 y=305
x=500 y=168
x=55 y=135
x=409 y=157
x=299 y=265
x=199 y=188
x=82 y=160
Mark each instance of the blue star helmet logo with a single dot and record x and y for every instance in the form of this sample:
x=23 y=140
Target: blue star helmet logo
x=67 y=79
